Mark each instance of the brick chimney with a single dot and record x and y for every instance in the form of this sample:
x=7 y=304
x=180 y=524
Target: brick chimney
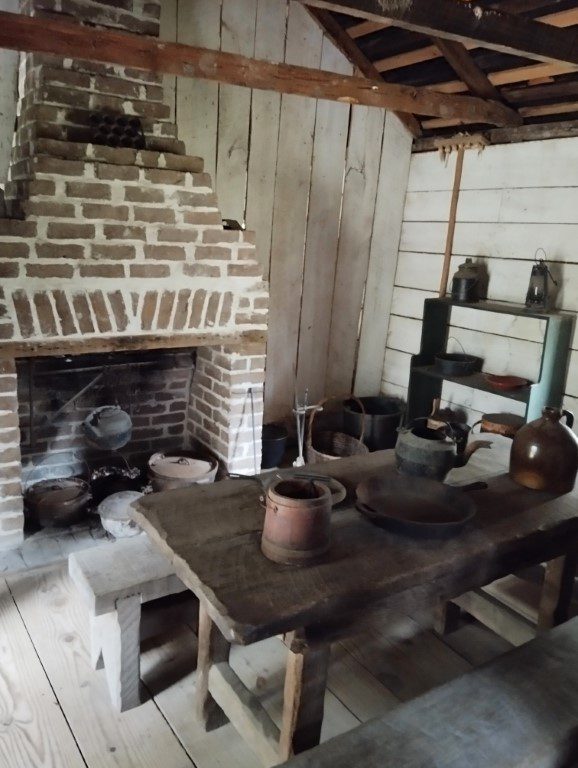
x=113 y=248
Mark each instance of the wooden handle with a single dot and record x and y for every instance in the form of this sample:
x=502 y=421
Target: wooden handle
x=452 y=223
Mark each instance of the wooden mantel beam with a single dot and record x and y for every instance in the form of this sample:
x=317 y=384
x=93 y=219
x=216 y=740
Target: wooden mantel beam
x=62 y=38
x=467 y=23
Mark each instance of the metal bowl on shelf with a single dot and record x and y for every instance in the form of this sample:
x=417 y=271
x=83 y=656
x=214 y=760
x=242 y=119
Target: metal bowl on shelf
x=457 y=364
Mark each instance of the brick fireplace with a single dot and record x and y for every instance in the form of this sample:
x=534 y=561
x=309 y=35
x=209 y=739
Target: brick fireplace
x=117 y=250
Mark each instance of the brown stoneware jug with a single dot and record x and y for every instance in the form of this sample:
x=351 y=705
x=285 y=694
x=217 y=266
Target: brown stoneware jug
x=544 y=453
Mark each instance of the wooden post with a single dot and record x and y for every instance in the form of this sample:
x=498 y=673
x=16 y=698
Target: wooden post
x=304 y=696
x=557 y=591
x=119 y=644
x=446 y=618
x=212 y=649
x=452 y=222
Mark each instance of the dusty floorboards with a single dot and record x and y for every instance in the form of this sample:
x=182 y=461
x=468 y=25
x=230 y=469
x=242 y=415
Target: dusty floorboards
x=55 y=710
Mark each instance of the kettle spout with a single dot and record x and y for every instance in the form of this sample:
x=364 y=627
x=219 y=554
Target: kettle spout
x=463 y=458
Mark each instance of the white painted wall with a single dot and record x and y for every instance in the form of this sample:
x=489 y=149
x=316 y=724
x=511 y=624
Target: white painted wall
x=8 y=97
x=321 y=183
x=514 y=199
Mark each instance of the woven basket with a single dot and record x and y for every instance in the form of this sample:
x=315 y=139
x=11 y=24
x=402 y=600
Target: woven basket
x=334 y=445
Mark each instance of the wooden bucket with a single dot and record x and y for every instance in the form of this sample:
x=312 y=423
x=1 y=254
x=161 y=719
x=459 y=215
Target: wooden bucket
x=334 y=445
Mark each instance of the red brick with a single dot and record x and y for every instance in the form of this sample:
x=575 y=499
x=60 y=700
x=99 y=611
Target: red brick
x=7 y=420
x=17 y=228
x=197 y=310
x=216 y=236
x=261 y=302
x=165 y=252
x=119 y=310
x=49 y=270
x=154 y=215
x=9 y=269
x=15 y=250
x=225 y=315
x=203 y=252
x=244 y=270
x=202 y=218
x=100 y=311
x=212 y=308
x=23 y=313
x=96 y=211
x=165 y=309
x=49 y=208
x=177 y=235
x=90 y=190
x=162 y=176
x=59 y=251
x=45 y=314
x=101 y=270
x=149 y=309
x=61 y=231
x=250 y=319
x=124 y=232
x=55 y=165
x=117 y=172
x=82 y=312
x=7 y=368
x=196 y=199
x=112 y=252
x=64 y=313
x=144 y=195
x=181 y=310
x=201 y=270
x=150 y=270
x=6 y=331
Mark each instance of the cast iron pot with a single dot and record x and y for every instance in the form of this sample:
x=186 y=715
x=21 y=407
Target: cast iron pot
x=274 y=441
x=457 y=364
x=382 y=419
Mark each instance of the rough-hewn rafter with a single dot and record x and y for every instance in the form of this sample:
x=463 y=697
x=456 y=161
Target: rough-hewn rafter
x=72 y=40
x=467 y=23
x=348 y=47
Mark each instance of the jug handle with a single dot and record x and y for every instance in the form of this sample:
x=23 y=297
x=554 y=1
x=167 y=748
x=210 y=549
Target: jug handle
x=569 y=418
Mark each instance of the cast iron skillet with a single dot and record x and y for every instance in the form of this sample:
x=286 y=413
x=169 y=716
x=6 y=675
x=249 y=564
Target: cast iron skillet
x=416 y=506
x=457 y=364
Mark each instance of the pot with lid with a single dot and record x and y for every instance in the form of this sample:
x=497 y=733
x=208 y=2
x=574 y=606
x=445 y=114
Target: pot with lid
x=465 y=282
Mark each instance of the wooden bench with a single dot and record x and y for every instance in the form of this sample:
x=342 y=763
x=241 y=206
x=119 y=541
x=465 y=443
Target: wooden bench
x=115 y=579
x=519 y=711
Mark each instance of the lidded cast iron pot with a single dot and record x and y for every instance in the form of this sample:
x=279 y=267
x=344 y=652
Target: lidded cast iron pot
x=544 y=453
x=465 y=282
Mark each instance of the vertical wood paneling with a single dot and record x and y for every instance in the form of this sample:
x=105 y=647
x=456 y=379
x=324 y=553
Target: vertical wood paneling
x=237 y=36
x=359 y=192
x=199 y=23
x=393 y=174
x=329 y=148
x=292 y=187
x=265 y=113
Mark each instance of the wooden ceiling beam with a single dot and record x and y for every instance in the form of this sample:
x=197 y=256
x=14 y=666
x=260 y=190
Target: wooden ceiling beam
x=348 y=47
x=466 y=23
x=507 y=77
x=62 y=38
x=366 y=28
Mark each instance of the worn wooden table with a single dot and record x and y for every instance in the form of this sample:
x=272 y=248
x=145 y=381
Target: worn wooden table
x=211 y=533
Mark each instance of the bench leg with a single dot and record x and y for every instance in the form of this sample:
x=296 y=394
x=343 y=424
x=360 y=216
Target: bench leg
x=120 y=642
x=96 y=660
x=212 y=649
x=446 y=618
x=557 y=591
x=304 y=697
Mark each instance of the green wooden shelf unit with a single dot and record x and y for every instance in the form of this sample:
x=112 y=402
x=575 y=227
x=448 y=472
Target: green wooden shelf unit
x=425 y=381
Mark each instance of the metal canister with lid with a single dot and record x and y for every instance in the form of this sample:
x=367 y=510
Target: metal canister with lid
x=465 y=282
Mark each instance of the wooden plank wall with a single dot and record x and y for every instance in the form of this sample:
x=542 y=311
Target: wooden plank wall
x=514 y=199
x=305 y=175
x=8 y=86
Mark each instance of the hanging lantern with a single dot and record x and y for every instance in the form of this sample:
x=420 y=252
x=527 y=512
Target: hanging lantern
x=537 y=296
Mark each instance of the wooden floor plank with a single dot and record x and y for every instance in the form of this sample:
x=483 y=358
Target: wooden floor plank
x=168 y=671
x=57 y=621
x=33 y=730
x=407 y=664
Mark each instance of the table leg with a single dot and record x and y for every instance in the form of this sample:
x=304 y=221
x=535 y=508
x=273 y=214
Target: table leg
x=212 y=649
x=557 y=591
x=304 y=695
x=446 y=618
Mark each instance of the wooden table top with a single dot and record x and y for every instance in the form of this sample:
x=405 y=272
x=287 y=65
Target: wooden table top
x=212 y=534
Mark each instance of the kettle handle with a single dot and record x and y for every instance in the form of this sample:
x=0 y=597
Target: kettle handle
x=569 y=418
x=449 y=430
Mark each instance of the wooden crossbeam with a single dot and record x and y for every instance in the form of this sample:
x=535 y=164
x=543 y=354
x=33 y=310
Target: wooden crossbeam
x=348 y=47
x=70 y=40
x=465 y=67
x=466 y=23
